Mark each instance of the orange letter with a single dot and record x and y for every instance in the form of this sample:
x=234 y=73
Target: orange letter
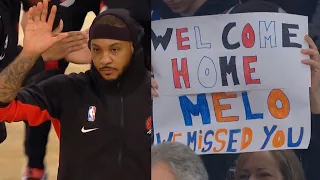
x=223 y=142
x=218 y=107
x=175 y=136
x=278 y=139
x=247 y=135
x=200 y=139
x=278 y=112
x=181 y=39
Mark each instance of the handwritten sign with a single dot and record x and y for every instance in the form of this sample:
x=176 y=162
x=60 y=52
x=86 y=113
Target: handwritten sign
x=227 y=93
x=224 y=53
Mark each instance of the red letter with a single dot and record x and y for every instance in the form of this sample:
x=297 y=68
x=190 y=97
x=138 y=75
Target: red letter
x=247 y=70
x=248 y=36
x=183 y=72
x=180 y=39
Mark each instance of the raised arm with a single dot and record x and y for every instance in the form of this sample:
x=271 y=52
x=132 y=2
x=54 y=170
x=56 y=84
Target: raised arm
x=38 y=38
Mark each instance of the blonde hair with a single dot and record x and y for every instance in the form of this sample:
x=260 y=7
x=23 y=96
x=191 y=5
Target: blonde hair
x=288 y=163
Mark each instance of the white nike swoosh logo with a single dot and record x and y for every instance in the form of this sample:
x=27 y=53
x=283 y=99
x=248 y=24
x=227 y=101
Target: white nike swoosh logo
x=88 y=130
x=2 y=57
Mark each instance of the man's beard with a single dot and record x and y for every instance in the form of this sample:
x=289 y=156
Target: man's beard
x=125 y=69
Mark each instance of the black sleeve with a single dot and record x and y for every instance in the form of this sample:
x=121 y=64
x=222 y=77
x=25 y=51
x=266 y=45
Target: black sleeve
x=315 y=133
x=36 y=103
x=3 y=132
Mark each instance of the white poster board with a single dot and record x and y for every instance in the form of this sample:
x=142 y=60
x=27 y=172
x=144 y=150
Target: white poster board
x=270 y=108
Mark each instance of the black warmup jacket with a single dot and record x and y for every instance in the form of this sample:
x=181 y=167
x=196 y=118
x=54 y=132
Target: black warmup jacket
x=8 y=40
x=112 y=143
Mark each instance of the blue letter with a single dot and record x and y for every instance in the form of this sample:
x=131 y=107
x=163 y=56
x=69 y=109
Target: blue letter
x=247 y=108
x=159 y=138
x=188 y=108
x=267 y=33
x=192 y=138
x=292 y=144
x=210 y=132
x=268 y=133
x=231 y=140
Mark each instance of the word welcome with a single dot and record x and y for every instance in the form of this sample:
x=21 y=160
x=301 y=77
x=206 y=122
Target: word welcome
x=248 y=37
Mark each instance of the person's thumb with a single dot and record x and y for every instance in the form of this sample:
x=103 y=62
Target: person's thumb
x=59 y=37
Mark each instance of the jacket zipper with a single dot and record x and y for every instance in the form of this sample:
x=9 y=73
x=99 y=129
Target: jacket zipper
x=121 y=124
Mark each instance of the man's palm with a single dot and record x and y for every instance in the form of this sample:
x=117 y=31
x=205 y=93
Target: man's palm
x=38 y=37
x=38 y=33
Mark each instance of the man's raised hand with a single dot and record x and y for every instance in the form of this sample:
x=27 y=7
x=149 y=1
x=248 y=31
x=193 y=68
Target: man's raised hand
x=38 y=33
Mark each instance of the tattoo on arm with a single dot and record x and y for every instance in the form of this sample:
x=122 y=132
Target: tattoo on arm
x=11 y=77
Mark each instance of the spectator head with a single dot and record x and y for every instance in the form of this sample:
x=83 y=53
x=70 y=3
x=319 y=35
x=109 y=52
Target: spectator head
x=275 y=165
x=176 y=161
x=184 y=7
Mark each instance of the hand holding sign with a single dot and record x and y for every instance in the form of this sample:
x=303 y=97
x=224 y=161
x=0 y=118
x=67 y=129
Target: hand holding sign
x=154 y=88
x=313 y=62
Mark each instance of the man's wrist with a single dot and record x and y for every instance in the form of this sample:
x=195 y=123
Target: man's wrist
x=29 y=54
x=45 y=58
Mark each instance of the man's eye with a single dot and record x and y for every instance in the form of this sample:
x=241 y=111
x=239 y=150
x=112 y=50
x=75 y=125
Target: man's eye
x=115 y=49
x=96 y=50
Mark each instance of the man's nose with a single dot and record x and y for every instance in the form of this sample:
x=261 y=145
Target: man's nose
x=106 y=59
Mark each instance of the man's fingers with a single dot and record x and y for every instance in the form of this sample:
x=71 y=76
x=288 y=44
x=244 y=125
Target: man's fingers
x=312 y=63
x=310 y=52
x=75 y=43
x=154 y=83
x=52 y=16
x=154 y=92
x=44 y=12
x=75 y=48
x=30 y=13
x=311 y=43
x=37 y=12
x=76 y=36
x=59 y=37
x=58 y=29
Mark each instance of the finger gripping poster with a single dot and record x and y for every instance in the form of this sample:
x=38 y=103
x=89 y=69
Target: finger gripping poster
x=232 y=83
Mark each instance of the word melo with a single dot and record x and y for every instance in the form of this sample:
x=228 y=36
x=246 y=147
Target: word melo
x=235 y=140
x=201 y=107
x=248 y=36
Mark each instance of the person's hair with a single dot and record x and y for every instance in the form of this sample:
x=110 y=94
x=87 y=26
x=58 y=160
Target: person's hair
x=111 y=20
x=289 y=165
x=184 y=163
